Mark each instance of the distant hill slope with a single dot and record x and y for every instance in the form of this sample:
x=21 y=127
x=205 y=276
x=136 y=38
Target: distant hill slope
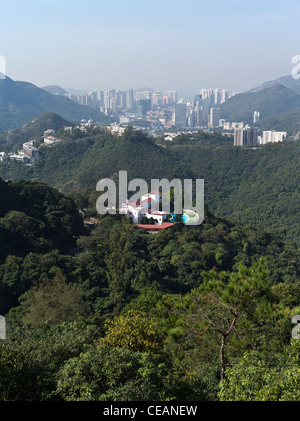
x=269 y=102
x=54 y=89
x=287 y=81
x=288 y=122
x=32 y=130
x=21 y=102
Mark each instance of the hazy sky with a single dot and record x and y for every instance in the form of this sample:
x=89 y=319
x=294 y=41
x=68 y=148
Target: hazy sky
x=162 y=44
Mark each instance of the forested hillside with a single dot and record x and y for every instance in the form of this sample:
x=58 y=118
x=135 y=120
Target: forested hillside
x=186 y=314
x=36 y=218
x=253 y=186
x=33 y=130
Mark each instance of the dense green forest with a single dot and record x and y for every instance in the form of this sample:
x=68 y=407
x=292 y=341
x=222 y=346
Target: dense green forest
x=256 y=186
x=114 y=313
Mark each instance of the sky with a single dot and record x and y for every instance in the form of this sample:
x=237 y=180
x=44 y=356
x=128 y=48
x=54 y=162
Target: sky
x=161 y=44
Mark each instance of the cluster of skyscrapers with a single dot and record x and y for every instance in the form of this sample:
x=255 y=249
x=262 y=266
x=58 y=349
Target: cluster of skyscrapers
x=112 y=101
x=202 y=111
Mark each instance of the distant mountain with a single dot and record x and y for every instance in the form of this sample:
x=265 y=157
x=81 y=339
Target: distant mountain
x=287 y=81
x=75 y=91
x=32 y=130
x=21 y=102
x=54 y=89
x=270 y=102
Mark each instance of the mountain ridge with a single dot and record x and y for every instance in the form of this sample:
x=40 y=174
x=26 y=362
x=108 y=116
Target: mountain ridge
x=271 y=101
x=21 y=102
x=288 y=81
x=54 y=89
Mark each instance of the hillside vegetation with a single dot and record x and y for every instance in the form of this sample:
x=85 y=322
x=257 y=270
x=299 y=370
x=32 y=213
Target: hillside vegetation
x=251 y=186
x=187 y=314
x=36 y=218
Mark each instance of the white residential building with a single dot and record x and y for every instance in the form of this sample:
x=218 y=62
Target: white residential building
x=256 y=117
x=19 y=158
x=50 y=140
x=30 y=151
x=3 y=157
x=227 y=125
x=271 y=136
x=142 y=208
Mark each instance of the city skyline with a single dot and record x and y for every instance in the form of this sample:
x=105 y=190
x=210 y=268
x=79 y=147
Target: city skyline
x=163 y=45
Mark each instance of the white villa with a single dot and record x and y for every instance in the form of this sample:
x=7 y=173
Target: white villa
x=50 y=140
x=142 y=208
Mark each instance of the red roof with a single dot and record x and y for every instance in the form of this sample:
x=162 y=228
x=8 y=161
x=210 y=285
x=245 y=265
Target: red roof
x=155 y=227
x=137 y=203
x=147 y=200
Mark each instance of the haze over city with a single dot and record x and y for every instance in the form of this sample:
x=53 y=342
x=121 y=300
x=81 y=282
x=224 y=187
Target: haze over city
x=162 y=45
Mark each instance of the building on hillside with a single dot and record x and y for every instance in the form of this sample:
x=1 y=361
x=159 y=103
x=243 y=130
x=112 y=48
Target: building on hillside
x=272 y=136
x=153 y=195
x=246 y=136
x=3 y=157
x=256 y=117
x=50 y=140
x=237 y=125
x=250 y=135
x=116 y=129
x=30 y=151
x=19 y=158
x=141 y=209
